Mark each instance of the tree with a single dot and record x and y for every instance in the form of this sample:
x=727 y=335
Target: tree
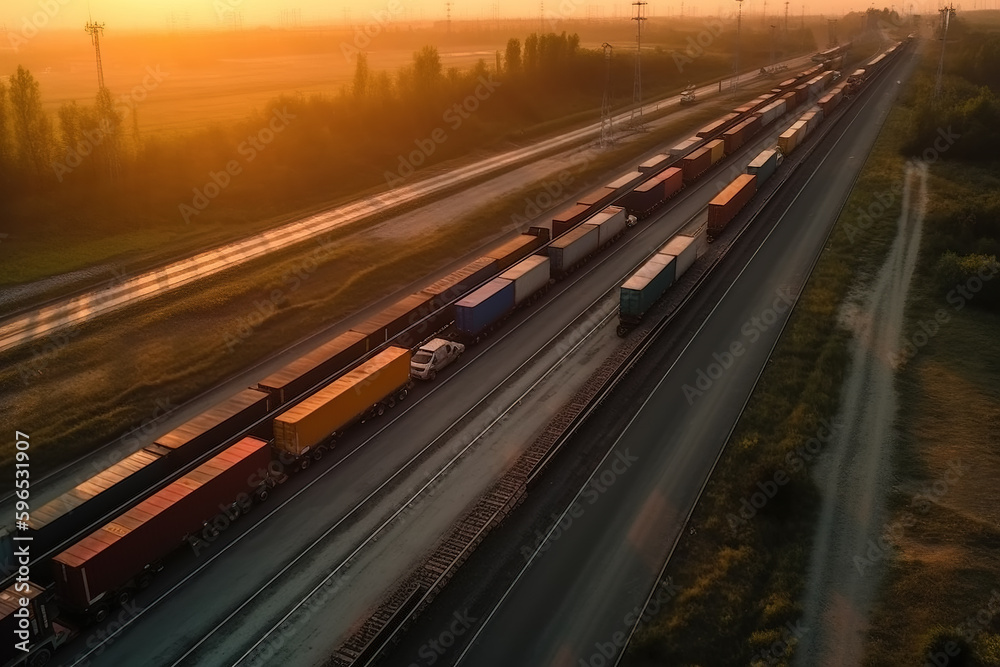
x=531 y=52
x=362 y=76
x=6 y=152
x=512 y=56
x=32 y=126
x=426 y=67
x=110 y=120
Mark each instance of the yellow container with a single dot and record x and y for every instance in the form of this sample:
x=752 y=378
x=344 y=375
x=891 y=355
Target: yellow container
x=343 y=401
x=717 y=148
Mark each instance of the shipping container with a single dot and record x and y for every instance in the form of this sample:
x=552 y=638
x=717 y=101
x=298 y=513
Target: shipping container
x=771 y=112
x=724 y=207
x=685 y=249
x=386 y=324
x=626 y=182
x=599 y=198
x=786 y=83
x=717 y=126
x=673 y=181
x=695 y=164
x=37 y=616
x=717 y=149
x=764 y=165
x=684 y=147
x=644 y=287
x=802 y=127
x=110 y=560
x=347 y=399
x=830 y=101
x=801 y=93
x=460 y=281
x=570 y=218
x=610 y=223
x=655 y=164
x=530 y=276
x=572 y=248
x=516 y=249
x=216 y=425
x=645 y=198
x=788 y=140
x=333 y=356
x=59 y=519
x=736 y=136
x=489 y=304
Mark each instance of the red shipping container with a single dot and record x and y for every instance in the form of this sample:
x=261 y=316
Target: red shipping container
x=646 y=197
x=718 y=126
x=673 y=181
x=729 y=202
x=110 y=557
x=734 y=138
x=695 y=164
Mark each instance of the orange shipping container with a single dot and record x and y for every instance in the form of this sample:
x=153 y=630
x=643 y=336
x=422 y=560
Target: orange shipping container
x=729 y=202
x=341 y=403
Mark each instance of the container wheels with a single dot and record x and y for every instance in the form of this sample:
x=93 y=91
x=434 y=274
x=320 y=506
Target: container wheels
x=380 y=410
x=622 y=330
x=304 y=462
x=41 y=658
x=99 y=613
x=123 y=596
x=235 y=510
x=262 y=494
x=144 y=580
x=401 y=395
x=391 y=401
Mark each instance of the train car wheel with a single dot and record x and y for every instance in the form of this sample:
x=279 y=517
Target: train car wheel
x=304 y=462
x=99 y=613
x=391 y=401
x=143 y=580
x=401 y=395
x=380 y=409
x=262 y=494
x=622 y=331
x=41 y=658
x=121 y=597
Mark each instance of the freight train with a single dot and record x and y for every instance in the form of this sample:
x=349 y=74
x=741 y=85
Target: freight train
x=228 y=457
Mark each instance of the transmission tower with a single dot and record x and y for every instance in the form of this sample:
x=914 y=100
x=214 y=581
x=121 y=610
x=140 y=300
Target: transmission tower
x=639 y=17
x=447 y=9
x=96 y=30
x=739 y=27
x=607 y=115
x=786 y=17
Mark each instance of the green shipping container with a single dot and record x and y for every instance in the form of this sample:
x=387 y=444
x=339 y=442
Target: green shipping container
x=645 y=287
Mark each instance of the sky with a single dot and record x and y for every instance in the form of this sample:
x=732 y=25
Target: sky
x=156 y=14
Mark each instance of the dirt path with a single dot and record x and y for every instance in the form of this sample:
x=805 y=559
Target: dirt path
x=856 y=473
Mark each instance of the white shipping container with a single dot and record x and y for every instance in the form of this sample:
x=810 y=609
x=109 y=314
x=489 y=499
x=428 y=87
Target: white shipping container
x=685 y=249
x=610 y=223
x=570 y=248
x=529 y=275
x=683 y=147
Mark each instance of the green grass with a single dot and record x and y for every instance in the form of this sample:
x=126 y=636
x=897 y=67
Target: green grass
x=949 y=562
x=742 y=581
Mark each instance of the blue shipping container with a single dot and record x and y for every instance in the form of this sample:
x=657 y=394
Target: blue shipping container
x=764 y=165
x=486 y=306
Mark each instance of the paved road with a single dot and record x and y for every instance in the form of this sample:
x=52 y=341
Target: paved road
x=85 y=306
x=575 y=599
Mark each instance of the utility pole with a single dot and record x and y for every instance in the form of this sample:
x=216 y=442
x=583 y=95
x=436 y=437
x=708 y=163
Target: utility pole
x=832 y=30
x=947 y=14
x=447 y=9
x=95 y=30
x=772 y=44
x=607 y=115
x=786 y=17
x=739 y=27
x=639 y=17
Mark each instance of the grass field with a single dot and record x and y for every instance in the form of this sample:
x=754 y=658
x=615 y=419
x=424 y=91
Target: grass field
x=943 y=582
x=742 y=578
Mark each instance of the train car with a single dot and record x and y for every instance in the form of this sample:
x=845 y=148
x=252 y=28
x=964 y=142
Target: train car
x=530 y=277
x=791 y=138
x=724 y=207
x=31 y=624
x=599 y=198
x=570 y=218
x=519 y=247
x=736 y=136
x=57 y=520
x=217 y=425
x=481 y=310
x=655 y=164
x=772 y=112
x=643 y=289
x=650 y=195
x=697 y=163
x=830 y=101
x=717 y=126
x=716 y=149
x=764 y=165
x=684 y=147
x=569 y=250
x=295 y=378
x=107 y=566
x=685 y=248
x=460 y=281
x=610 y=224
x=306 y=430
x=389 y=323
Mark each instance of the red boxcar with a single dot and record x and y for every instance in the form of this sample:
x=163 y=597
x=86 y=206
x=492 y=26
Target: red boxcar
x=729 y=202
